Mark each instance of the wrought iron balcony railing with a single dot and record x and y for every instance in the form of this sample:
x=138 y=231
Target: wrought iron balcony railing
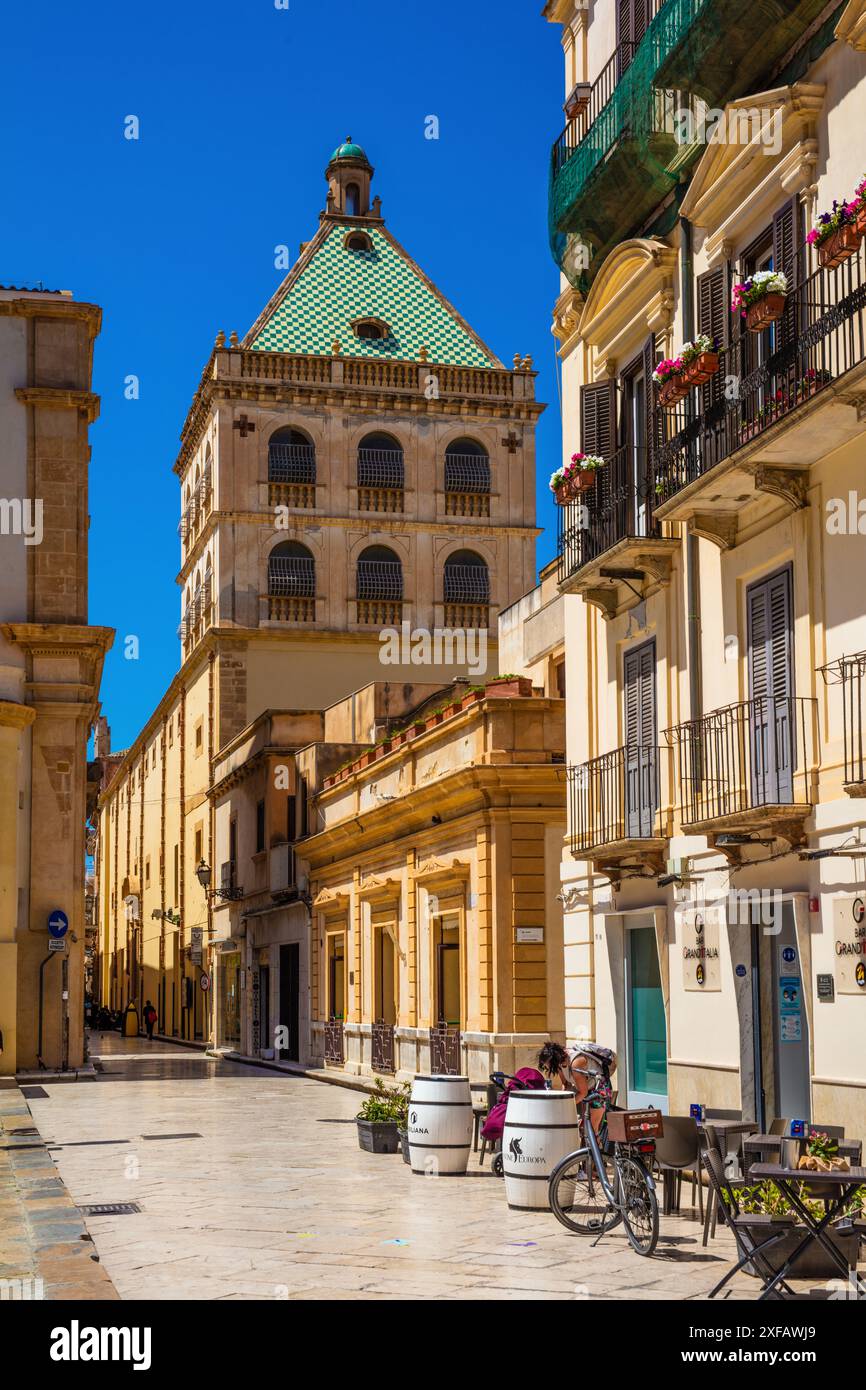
x=616 y=797
x=618 y=506
x=849 y=675
x=291 y=576
x=467 y=584
x=467 y=473
x=291 y=463
x=766 y=378
x=738 y=763
x=600 y=94
x=380 y=468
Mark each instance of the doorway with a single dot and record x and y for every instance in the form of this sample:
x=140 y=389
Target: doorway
x=646 y=1062
x=447 y=945
x=336 y=976
x=385 y=975
x=290 y=1000
x=781 y=1046
x=265 y=1007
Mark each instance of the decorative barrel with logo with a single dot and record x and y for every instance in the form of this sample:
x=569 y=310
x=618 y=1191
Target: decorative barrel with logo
x=540 y=1129
x=440 y=1125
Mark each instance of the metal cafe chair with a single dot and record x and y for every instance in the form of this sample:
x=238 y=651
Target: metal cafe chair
x=678 y=1149
x=751 y=1251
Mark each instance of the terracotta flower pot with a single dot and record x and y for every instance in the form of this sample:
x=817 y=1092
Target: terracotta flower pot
x=571 y=487
x=840 y=246
x=765 y=311
x=674 y=390
x=860 y=224
x=702 y=369
x=514 y=687
x=471 y=698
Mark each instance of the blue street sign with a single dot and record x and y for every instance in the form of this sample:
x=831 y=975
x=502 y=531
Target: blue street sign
x=58 y=924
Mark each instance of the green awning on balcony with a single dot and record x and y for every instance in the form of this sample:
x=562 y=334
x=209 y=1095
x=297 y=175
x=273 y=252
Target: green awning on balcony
x=721 y=49
x=606 y=186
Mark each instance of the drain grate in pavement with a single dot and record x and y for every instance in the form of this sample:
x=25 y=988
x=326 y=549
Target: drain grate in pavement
x=109 y=1209
x=34 y=1092
x=171 y=1136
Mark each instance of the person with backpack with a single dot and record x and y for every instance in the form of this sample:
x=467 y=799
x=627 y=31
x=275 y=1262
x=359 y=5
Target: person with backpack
x=150 y=1017
x=585 y=1068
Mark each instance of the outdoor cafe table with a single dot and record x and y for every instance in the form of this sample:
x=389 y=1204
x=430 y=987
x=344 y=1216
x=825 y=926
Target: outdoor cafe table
x=766 y=1147
x=840 y=1188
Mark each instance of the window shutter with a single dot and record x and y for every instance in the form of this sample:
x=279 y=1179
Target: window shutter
x=714 y=319
x=652 y=438
x=597 y=419
x=786 y=257
x=640 y=696
x=771 y=638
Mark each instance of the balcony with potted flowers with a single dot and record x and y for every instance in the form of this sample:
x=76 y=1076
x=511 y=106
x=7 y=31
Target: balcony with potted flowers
x=611 y=549
x=788 y=389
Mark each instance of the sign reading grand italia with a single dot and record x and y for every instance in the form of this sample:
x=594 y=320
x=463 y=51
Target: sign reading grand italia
x=699 y=933
x=849 y=944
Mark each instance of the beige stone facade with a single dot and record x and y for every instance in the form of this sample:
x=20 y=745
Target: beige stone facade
x=50 y=668
x=714 y=622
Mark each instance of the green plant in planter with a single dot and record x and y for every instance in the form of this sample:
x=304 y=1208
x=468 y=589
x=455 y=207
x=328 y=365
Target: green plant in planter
x=387 y=1104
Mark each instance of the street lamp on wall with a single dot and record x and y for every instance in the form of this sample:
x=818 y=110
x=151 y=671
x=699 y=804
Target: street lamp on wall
x=204 y=875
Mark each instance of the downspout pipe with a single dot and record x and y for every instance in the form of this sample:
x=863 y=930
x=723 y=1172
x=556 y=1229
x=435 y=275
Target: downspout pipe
x=42 y=1008
x=693 y=578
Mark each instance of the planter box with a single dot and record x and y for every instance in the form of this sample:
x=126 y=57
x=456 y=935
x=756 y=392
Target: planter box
x=433 y=719
x=765 y=311
x=815 y=1262
x=674 y=390
x=515 y=686
x=404 y=1145
x=702 y=369
x=860 y=224
x=366 y=759
x=472 y=698
x=840 y=246
x=378 y=1136
x=574 y=486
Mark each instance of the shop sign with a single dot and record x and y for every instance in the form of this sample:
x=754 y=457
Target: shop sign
x=529 y=934
x=849 y=944
x=196 y=938
x=826 y=989
x=699 y=933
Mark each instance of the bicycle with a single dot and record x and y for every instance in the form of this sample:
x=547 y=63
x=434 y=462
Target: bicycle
x=592 y=1192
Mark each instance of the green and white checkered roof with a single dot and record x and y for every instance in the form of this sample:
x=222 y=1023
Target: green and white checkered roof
x=337 y=287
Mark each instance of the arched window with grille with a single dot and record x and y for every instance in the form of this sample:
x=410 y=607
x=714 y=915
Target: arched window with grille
x=466 y=590
x=291 y=583
x=381 y=477
x=379 y=586
x=467 y=479
x=291 y=469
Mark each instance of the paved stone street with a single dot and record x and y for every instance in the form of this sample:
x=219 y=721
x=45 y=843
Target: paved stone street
x=251 y=1185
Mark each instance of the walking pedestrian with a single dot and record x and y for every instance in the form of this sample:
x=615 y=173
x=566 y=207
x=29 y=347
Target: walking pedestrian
x=150 y=1017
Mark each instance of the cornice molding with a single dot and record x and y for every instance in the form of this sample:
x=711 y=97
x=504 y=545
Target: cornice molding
x=13 y=716
x=635 y=282
x=56 y=398
x=732 y=179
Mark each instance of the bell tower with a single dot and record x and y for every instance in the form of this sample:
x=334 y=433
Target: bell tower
x=349 y=176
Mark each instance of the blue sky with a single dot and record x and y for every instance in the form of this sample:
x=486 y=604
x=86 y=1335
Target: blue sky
x=240 y=106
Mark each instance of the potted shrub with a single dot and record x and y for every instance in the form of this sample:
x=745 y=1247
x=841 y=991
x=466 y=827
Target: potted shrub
x=416 y=727
x=700 y=361
x=760 y=300
x=472 y=696
x=668 y=377
x=377 y=1121
x=837 y=234
x=575 y=477
x=510 y=686
x=435 y=717
x=765 y=1199
x=400 y=1107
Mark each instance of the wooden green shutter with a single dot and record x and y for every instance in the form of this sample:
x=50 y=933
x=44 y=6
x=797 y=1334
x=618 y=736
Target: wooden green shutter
x=598 y=419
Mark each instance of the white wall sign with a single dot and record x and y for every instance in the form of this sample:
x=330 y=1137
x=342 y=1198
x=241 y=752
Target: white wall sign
x=849 y=945
x=699 y=933
x=528 y=934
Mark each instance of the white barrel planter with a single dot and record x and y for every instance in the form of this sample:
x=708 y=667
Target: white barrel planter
x=540 y=1129
x=440 y=1125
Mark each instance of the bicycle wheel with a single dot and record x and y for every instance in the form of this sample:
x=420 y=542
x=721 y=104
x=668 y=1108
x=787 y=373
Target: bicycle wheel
x=577 y=1197
x=640 y=1210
